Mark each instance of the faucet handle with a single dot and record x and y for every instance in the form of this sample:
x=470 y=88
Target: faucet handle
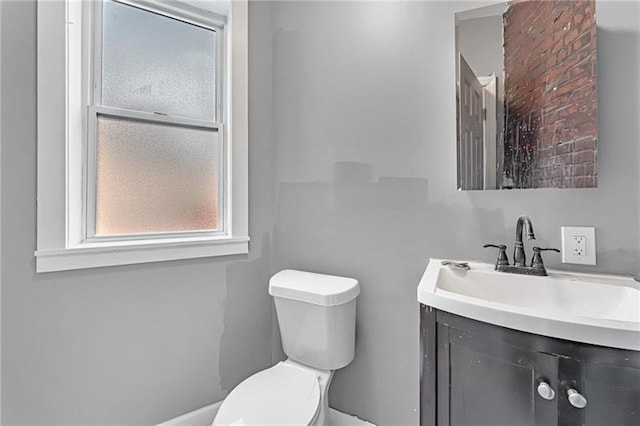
x=536 y=262
x=502 y=254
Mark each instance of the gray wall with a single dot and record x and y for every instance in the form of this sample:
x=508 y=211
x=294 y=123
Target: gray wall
x=364 y=124
x=480 y=41
x=132 y=344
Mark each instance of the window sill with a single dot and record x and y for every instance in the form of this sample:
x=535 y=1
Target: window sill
x=97 y=255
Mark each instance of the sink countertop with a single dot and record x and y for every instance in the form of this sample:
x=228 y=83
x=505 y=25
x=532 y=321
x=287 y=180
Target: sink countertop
x=592 y=308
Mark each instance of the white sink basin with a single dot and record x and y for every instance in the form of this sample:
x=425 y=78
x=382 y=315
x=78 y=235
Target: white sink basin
x=597 y=309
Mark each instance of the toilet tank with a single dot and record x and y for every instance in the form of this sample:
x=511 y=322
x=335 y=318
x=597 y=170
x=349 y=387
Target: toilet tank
x=317 y=317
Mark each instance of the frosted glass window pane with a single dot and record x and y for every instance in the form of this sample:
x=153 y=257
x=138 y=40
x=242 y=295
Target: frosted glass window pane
x=155 y=178
x=154 y=63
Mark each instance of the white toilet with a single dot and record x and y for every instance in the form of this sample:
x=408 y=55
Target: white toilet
x=317 y=318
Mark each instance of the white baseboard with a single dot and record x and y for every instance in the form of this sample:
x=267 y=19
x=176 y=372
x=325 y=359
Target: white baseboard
x=205 y=415
x=201 y=417
x=338 y=418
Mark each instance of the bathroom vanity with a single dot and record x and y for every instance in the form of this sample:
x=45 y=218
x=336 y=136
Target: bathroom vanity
x=478 y=373
x=500 y=356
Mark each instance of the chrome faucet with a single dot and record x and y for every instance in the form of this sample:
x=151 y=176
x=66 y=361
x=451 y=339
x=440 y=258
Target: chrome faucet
x=519 y=257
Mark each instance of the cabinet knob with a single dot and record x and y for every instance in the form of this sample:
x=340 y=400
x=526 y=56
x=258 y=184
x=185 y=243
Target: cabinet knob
x=576 y=398
x=546 y=391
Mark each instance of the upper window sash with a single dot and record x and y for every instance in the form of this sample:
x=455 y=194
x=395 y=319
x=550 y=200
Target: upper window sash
x=180 y=11
x=153 y=117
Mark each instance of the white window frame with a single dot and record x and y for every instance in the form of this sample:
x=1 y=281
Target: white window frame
x=64 y=89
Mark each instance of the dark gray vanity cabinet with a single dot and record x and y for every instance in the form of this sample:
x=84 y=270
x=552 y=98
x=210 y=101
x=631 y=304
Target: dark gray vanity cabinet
x=489 y=382
x=614 y=394
x=475 y=373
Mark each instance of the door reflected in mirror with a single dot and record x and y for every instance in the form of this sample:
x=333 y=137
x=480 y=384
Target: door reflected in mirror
x=526 y=95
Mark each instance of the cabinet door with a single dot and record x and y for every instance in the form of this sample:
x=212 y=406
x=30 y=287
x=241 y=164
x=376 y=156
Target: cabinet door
x=489 y=382
x=612 y=393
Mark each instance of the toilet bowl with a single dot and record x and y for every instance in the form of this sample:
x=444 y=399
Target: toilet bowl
x=316 y=315
x=285 y=394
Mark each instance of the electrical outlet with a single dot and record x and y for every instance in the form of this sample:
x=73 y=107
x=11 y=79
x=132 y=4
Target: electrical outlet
x=579 y=245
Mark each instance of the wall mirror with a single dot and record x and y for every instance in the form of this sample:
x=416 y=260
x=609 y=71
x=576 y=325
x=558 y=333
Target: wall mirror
x=526 y=95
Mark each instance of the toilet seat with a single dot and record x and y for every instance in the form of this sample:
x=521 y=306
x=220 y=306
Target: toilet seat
x=281 y=395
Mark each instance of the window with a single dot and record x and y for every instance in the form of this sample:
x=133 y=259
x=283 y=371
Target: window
x=155 y=134
x=148 y=159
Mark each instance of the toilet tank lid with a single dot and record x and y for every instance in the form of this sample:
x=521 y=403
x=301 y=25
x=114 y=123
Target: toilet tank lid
x=319 y=289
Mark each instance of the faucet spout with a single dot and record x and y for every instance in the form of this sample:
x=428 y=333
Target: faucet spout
x=519 y=257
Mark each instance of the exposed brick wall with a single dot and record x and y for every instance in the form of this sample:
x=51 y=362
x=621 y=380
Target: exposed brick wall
x=550 y=94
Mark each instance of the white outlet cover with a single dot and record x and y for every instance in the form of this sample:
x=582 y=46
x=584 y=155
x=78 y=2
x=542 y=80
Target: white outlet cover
x=568 y=253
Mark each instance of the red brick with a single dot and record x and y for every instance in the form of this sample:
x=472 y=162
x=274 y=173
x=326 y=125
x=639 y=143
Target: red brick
x=564 y=148
x=584 y=169
x=585 y=182
x=534 y=109
x=585 y=144
x=587 y=129
x=584 y=157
